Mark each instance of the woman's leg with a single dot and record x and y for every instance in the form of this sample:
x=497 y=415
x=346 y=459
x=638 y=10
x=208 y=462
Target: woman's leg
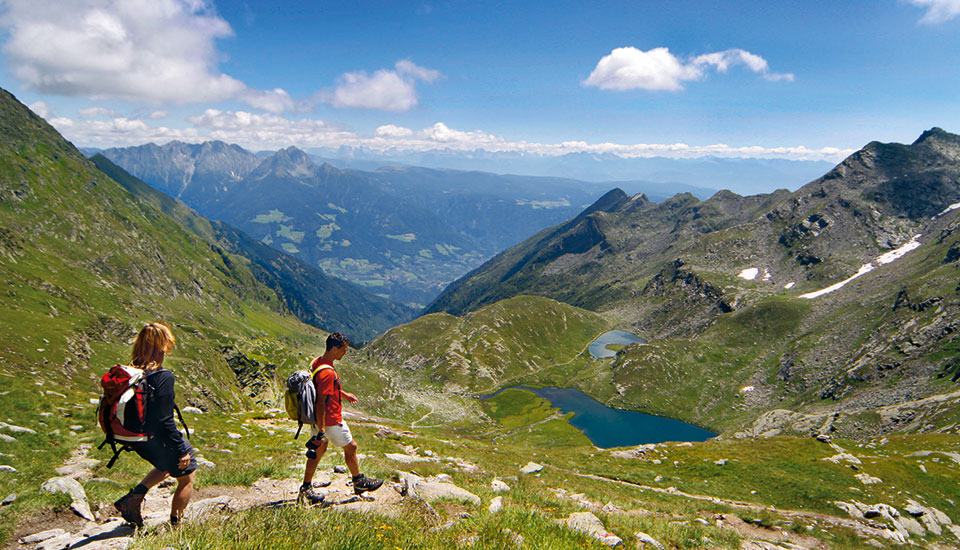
x=182 y=495
x=153 y=478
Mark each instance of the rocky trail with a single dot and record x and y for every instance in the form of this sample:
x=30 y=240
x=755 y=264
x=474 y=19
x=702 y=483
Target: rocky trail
x=96 y=526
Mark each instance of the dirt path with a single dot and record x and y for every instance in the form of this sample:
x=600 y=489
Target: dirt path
x=112 y=533
x=421 y=419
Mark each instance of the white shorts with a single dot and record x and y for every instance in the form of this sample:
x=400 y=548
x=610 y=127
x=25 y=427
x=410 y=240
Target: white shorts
x=339 y=435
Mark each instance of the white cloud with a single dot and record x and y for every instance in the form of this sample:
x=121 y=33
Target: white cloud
x=938 y=11
x=272 y=101
x=630 y=68
x=40 y=108
x=258 y=131
x=727 y=58
x=392 y=131
x=92 y=112
x=385 y=90
x=139 y=50
x=157 y=115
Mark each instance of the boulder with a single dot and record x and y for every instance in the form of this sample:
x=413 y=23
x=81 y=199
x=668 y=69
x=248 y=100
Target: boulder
x=496 y=504
x=915 y=510
x=6 y=468
x=432 y=489
x=73 y=488
x=16 y=429
x=868 y=479
x=531 y=468
x=56 y=543
x=193 y=410
x=9 y=500
x=586 y=522
x=7 y=438
x=644 y=540
x=202 y=509
x=408 y=459
x=42 y=536
x=499 y=486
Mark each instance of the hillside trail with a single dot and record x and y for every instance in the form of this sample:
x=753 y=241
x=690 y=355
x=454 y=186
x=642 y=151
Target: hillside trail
x=110 y=532
x=504 y=381
x=422 y=418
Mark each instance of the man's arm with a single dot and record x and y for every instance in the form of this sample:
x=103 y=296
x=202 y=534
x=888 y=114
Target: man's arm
x=350 y=397
x=319 y=410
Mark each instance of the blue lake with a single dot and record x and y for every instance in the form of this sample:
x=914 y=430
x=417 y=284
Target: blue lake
x=598 y=348
x=607 y=427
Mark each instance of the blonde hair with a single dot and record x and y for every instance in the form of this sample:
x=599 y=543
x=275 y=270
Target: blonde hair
x=153 y=342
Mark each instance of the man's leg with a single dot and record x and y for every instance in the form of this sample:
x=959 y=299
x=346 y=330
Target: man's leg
x=361 y=483
x=313 y=462
x=350 y=457
x=181 y=496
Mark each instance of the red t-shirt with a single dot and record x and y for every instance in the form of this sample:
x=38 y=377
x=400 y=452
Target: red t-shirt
x=327 y=383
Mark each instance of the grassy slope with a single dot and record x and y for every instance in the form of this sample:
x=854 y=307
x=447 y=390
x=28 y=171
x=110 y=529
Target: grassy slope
x=782 y=473
x=489 y=348
x=84 y=265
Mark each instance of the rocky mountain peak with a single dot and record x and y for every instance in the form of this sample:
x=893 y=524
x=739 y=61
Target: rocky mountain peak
x=937 y=134
x=289 y=163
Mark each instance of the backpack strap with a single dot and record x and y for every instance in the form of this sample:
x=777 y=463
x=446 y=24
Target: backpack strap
x=180 y=415
x=318 y=369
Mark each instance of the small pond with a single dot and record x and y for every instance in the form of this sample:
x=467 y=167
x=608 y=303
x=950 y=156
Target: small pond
x=607 y=427
x=598 y=348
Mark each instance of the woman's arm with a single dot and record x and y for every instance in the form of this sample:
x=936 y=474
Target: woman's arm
x=162 y=402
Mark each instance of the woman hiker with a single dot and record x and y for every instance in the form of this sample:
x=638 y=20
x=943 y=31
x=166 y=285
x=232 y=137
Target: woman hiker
x=166 y=449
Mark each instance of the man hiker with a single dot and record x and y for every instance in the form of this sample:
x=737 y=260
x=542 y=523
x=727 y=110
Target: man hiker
x=329 y=426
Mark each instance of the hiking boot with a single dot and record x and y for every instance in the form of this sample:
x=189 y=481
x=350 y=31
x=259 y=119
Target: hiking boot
x=309 y=496
x=362 y=483
x=129 y=508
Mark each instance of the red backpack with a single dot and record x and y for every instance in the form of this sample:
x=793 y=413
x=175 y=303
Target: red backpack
x=122 y=412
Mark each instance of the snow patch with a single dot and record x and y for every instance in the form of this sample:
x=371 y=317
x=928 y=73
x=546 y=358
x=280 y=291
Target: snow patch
x=867 y=268
x=896 y=254
x=948 y=209
x=789 y=285
x=749 y=274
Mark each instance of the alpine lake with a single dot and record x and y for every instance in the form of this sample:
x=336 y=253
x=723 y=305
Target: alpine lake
x=607 y=427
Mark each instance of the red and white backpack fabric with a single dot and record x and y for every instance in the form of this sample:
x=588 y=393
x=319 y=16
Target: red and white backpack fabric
x=122 y=412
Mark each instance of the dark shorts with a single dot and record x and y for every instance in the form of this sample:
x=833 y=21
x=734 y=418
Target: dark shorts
x=165 y=459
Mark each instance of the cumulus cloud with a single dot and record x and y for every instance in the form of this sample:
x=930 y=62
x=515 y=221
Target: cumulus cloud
x=92 y=112
x=272 y=101
x=630 y=68
x=727 y=58
x=139 y=50
x=40 y=108
x=157 y=115
x=385 y=90
x=271 y=131
x=392 y=131
x=938 y=11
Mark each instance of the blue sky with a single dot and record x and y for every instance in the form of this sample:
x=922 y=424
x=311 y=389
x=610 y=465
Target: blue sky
x=798 y=80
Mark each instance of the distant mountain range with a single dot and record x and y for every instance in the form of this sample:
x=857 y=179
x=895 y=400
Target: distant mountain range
x=841 y=294
x=668 y=175
x=315 y=298
x=402 y=232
